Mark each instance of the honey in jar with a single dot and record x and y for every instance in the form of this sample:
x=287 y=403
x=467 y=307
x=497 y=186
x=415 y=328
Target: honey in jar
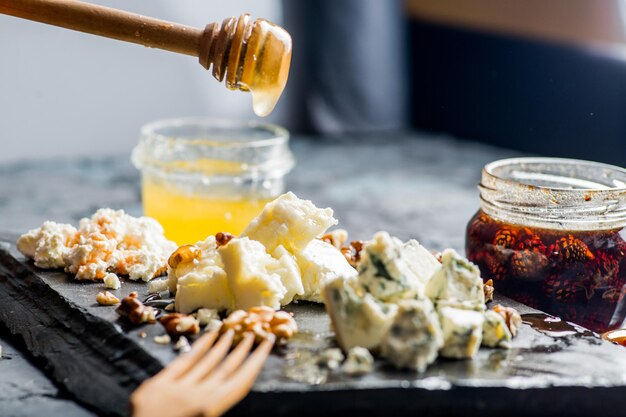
x=201 y=177
x=550 y=234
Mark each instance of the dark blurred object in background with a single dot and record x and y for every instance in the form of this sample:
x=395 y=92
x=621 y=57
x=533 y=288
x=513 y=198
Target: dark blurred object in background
x=348 y=71
x=541 y=77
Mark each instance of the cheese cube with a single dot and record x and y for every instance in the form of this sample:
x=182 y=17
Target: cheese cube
x=208 y=259
x=415 y=336
x=495 y=331
x=462 y=332
x=289 y=273
x=357 y=319
x=457 y=279
x=290 y=222
x=206 y=288
x=391 y=270
x=319 y=263
x=248 y=269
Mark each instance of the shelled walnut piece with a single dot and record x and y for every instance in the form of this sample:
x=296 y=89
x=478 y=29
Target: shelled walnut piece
x=511 y=316
x=488 y=290
x=263 y=322
x=107 y=299
x=177 y=324
x=352 y=253
x=134 y=309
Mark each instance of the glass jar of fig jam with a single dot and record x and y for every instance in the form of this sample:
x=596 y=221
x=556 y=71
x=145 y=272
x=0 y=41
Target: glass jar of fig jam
x=550 y=233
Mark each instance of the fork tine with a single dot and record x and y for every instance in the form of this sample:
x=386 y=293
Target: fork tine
x=234 y=359
x=187 y=360
x=212 y=358
x=240 y=382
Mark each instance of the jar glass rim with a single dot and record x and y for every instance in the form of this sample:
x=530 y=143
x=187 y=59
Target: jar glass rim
x=555 y=193
x=277 y=134
x=578 y=185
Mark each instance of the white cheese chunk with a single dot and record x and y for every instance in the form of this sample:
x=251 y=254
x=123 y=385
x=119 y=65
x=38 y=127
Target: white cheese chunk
x=290 y=222
x=319 y=263
x=206 y=288
x=495 y=331
x=157 y=286
x=414 y=337
x=359 y=361
x=112 y=281
x=457 y=279
x=391 y=270
x=248 y=269
x=208 y=259
x=357 y=319
x=48 y=245
x=287 y=269
x=462 y=332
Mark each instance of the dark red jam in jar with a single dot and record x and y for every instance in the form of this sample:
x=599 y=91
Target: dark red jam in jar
x=550 y=233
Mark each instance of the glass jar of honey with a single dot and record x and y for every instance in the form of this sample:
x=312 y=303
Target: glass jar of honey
x=202 y=176
x=550 y=233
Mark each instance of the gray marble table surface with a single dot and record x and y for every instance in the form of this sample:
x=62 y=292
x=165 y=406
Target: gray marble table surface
x=415 y=186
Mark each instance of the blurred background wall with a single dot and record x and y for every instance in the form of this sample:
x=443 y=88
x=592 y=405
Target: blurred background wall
x=540 y=76
x=64 y=93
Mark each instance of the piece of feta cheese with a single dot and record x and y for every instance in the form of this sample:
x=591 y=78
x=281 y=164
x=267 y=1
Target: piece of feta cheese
x=495 y=331
x=356 y=317
x=287 y=269
x=49 y=244
x=320 y=262
x=391 y=270
x=206 y=315
x=289 y=221
x=157 y=286
x=112 y=281
x=206 y=259
x=359 y=361
x=456 y=280
x=248 y=269
x=462 y=332
x=205 y=288
x=415 y=336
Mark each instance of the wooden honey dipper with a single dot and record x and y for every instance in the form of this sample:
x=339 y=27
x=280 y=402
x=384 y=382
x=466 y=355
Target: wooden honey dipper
x=251 y=55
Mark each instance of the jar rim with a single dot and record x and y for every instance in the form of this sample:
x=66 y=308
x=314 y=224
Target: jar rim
x=279 y=133
x=556 y=193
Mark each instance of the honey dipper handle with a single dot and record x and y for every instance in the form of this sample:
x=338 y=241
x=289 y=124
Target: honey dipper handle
x=108 y=22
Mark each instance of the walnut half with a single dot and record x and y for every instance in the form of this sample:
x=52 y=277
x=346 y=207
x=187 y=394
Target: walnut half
x=184 y=254
x=262 y=322
x=488 y=290
x=177 y=324
x=134 y=309
x=511 y=316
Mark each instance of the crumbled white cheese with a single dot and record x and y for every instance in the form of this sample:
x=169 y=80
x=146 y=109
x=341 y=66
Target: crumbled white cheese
x=163 y=339
x=289 y=221
x=495 y=331
x=112 y=281
x=357 y=318
x=391 y=270
x=319 y=263
x=456 y=280
x=109 y=241
x=289 y=273
x=182 y=345
x=205 y=315
x=415 y=336
x=158 y=285
x=359 y=361
x=248 y=270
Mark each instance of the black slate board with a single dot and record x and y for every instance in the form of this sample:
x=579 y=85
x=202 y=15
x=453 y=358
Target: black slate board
x=100 y=360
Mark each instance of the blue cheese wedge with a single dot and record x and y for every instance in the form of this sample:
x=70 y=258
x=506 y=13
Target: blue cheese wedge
x=290 y=222
x=456 y=280
x=462 y=332
x=249 y=269
x=415 y=336
x=320 y=262
x=356 y=317
x=495 y=331
x=391 y=270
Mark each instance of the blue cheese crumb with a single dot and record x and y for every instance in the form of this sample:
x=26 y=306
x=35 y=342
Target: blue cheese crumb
x=359 y=361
